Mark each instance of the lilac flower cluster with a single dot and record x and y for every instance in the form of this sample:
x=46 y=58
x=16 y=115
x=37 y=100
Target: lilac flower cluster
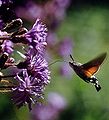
x=32 y=74
x=55 y=105
x=52 y=12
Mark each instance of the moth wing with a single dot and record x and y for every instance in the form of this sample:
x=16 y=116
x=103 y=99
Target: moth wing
x=92 y=66
x=91 y=71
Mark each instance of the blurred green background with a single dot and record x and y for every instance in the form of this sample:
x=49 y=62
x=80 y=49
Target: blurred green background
x=88 y=25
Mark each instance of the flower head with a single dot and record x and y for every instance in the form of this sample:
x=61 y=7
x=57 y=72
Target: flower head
x=36 y=65
x=37 y=36
x=28 y=91
x=39 y=67
x=33 y=78
x=32 y=74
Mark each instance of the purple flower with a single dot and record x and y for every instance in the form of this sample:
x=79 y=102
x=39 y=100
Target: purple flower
x=31 y=74
x=50 y=111
x=53 y=15
x=7 y=46
x=52 y=12
x=28 y=91
x=65 y=47
x=37 y=36
x=36 y=65
x=32 y=80
x=44 y=112
x=56 y=100
x=31 y=11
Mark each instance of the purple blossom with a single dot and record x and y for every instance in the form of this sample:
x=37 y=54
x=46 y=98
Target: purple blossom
x=37 y=65
x=32 y=74
x=32 y=80
x=28 y=91
x=65 y=47
x=32 y=11
x=57 y=101
x=53 y=8
x=53 y=15
x=7 y=46
x=35 y=10
x=44 y=112
x=37 y=36
x=52 y=12
x=50 y=111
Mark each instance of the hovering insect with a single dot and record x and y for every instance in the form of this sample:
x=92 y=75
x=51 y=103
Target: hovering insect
x=86 y=71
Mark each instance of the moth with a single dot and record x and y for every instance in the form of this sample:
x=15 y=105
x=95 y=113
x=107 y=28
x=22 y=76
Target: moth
x=88 y=70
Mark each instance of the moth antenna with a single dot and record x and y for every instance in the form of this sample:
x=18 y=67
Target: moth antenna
x=57 y=61
x=71 y=57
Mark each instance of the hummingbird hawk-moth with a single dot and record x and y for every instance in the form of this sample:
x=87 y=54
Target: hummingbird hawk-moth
x=86 y=71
